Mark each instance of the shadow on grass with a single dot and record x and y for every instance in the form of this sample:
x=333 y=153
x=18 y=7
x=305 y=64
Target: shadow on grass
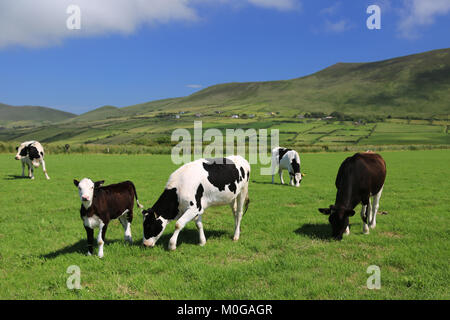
x=275 y=184
x=190 y=236
x=78 y=247
x=15 y=177
x=320 y=231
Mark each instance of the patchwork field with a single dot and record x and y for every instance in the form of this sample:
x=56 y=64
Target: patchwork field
x=284 y=252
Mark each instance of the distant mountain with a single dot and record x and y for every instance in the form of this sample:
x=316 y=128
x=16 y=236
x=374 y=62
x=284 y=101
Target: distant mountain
x=417 y=84
x=101 y=113
x=32 y=113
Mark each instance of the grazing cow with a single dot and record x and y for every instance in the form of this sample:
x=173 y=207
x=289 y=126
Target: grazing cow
x=359 y=178
x=32 y=154
x=287 y=159
x=100 y=204
x=194 y=187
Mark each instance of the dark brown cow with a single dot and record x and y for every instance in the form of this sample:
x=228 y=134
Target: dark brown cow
x=359 y=178
x=101 y=204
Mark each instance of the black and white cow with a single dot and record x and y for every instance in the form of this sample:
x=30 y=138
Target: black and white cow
x=100 y=204
x=32 y=154
x=359 y=178
x=288 y=159
x=194 y=187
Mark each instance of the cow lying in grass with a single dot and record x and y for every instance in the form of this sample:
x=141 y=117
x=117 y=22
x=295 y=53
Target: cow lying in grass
x=359 y=178
x=31 y=153
x=194 y=187
x=100 y=204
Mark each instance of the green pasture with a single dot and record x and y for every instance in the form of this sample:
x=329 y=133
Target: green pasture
x=284 y=251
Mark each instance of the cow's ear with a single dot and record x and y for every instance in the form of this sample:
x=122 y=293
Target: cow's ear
x=350 y=212
x=17 y=148
x=76 y=182
x=325 y=210
x=98 y=184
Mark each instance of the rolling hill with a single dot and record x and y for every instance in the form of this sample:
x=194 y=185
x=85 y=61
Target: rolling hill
x=413 y=85
x=32 y=113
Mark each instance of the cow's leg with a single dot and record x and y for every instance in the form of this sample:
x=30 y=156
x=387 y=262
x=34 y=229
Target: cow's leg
x=274 y=167
x=29 y=170
x=187 y=216
x=240 y=200
x=201 y=233
x=347 y=230
x=23 y=169
x=375 y=206
x=32 y=172
x=125 y=220
x=368 y=207
x=45 y=170
x=101 y=238
x=280 y=173
x=90 y=240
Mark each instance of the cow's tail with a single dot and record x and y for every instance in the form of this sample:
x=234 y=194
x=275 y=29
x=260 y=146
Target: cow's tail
x=246 y=203
x=136 y=196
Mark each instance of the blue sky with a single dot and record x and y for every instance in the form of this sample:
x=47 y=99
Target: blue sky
x=128 y=52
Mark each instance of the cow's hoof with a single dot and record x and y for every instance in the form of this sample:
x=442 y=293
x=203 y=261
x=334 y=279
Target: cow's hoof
x=129 y=240
x=235 y=238
x=373 y=226
x=172 y=246
x=366 y=229
x=202 y=244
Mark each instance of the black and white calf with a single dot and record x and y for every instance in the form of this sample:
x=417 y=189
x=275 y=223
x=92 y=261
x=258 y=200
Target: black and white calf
x=288 y=159
x=100 y=204
x=194 y=187
x=32 y=154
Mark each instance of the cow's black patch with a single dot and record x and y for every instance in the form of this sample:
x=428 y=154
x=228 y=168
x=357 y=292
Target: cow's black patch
x=242 y=177
x=232 y=187
x=42 y=154
x=191 y=203
x=167 y=204
x=152 y=226
x=24 y=152
x=33 y=153
x=281 y=153
x=198 y=197
x=222 y=172
x=295 y=166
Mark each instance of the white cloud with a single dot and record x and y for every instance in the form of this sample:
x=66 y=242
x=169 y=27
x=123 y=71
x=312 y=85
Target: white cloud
x=332 y=10
x=419 y=13
x=40 y=23
x=277 y=4
x=338 y=26
x=194 y=86
x=37 y=23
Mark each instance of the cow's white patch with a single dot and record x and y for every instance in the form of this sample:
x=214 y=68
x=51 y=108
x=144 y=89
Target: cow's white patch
x=92 y=222
x=86 y=192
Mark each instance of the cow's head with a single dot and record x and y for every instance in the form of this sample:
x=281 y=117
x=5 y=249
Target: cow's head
x=22 y=151
x=339 y=219
x=86 y=189
x=296 y=174
x=153 y=227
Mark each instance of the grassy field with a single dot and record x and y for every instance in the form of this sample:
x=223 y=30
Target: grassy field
x=304 y=134
x=284 y=251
